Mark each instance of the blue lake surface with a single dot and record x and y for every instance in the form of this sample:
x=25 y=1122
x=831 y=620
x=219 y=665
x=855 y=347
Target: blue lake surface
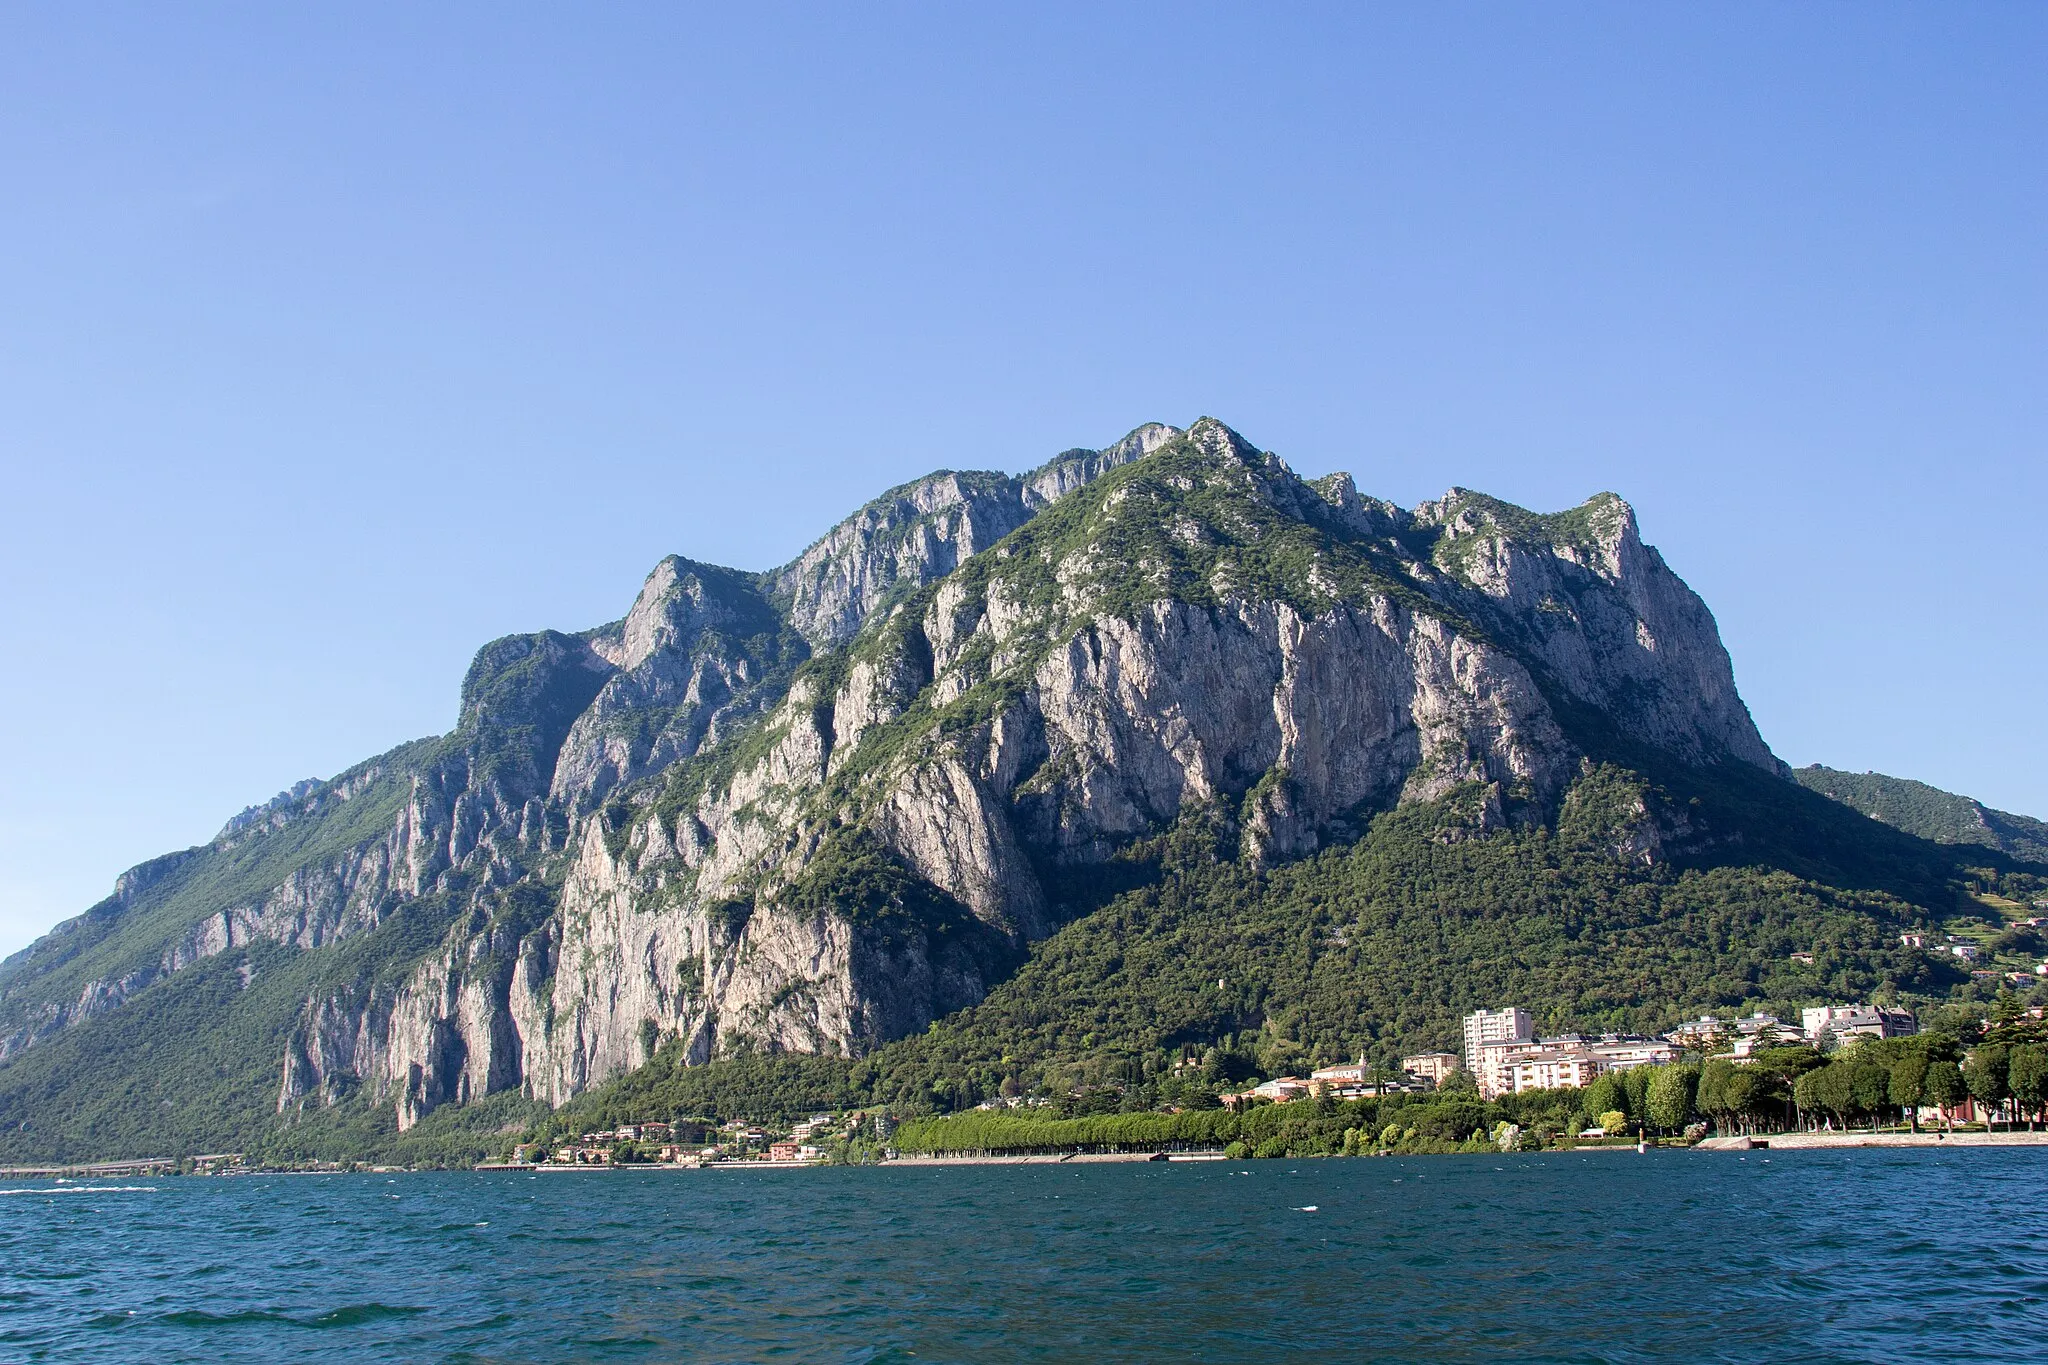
x=1818 y=1256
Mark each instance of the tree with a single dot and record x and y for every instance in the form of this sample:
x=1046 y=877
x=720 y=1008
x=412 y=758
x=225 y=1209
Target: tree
x=1908 y=1084
x=1986 y=1076
x=1711 y=1098
x=1669 y=1099
x=1945 y=1085
x=1806 y=1093
x=1870 y=1082
x=1635 y=1084
x=1460 y=1084
x=1605 y=1094
x=1739 y=1092
x=1832 y=1088
x=2027 y=1078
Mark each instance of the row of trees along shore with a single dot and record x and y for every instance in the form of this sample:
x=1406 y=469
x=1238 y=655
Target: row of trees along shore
x=1870 y=1082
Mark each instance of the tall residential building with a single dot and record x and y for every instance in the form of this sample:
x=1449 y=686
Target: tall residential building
x=1484 y=1028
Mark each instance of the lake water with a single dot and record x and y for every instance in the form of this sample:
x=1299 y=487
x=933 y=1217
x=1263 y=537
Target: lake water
x=1849 y=1256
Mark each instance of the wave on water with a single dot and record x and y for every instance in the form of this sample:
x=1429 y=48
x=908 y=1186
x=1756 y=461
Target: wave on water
x=352 y=1315
x=83 y=1189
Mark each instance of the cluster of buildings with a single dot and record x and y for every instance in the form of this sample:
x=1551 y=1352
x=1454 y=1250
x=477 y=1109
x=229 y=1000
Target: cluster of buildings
x=1506 y=1057
x=1843 y=1022
x=1952 y=945
x=1355 y=1080
x=601 y=1148
x=798 y=1146
x=660 y=1143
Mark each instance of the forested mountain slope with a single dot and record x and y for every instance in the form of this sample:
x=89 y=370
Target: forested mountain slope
x=1930 y=812
x=1006 y=754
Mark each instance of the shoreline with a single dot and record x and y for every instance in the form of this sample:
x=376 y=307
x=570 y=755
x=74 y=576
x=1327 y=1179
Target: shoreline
x=1792 y=1142
x=1782 y=1142
x=1040 y=1159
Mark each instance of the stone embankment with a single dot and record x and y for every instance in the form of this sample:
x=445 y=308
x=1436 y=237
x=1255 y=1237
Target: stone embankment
x=1780 y=1142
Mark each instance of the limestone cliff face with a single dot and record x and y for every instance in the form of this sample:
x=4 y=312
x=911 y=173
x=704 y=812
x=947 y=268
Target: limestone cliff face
x=813 y=809
x=924 y=530
x=640 y=958
x=1603 y=616
x=322 y=901
x=701 y=650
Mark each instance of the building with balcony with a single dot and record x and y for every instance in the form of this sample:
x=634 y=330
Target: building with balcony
x=1494 y=1028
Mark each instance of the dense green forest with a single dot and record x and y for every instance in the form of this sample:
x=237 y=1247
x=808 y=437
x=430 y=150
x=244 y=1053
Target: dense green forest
x=1930 y=812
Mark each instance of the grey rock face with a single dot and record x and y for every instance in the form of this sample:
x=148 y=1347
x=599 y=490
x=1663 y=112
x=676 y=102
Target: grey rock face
x=903 y=539
x=1075 y=469
x=922 y=531
x=1605 y=619
x=701 y=649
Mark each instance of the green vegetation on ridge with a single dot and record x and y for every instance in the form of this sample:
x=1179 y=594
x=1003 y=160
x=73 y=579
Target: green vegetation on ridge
x=1929 y=812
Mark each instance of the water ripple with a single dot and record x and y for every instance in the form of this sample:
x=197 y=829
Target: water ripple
x=1827 y=1256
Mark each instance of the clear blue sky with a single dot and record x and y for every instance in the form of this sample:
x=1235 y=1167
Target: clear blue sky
x=334 y=342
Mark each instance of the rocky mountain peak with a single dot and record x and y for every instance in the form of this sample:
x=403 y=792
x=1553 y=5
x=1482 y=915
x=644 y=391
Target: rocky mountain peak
x=923 y=530
x=679 y=600
x=277 y=808
x=1073 y=469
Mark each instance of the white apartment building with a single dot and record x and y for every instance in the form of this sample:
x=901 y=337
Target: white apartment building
x=1545 y=1068
x=1546 y=1063
x=1488 y=1028
x=1706 y=1028
x=1623 y=1052
x=1490 y=1065
x=1857 y=1021
x=1505 y=1057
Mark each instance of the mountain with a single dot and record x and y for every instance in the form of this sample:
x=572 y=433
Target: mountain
x=1930 y=812
x=914 y=805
